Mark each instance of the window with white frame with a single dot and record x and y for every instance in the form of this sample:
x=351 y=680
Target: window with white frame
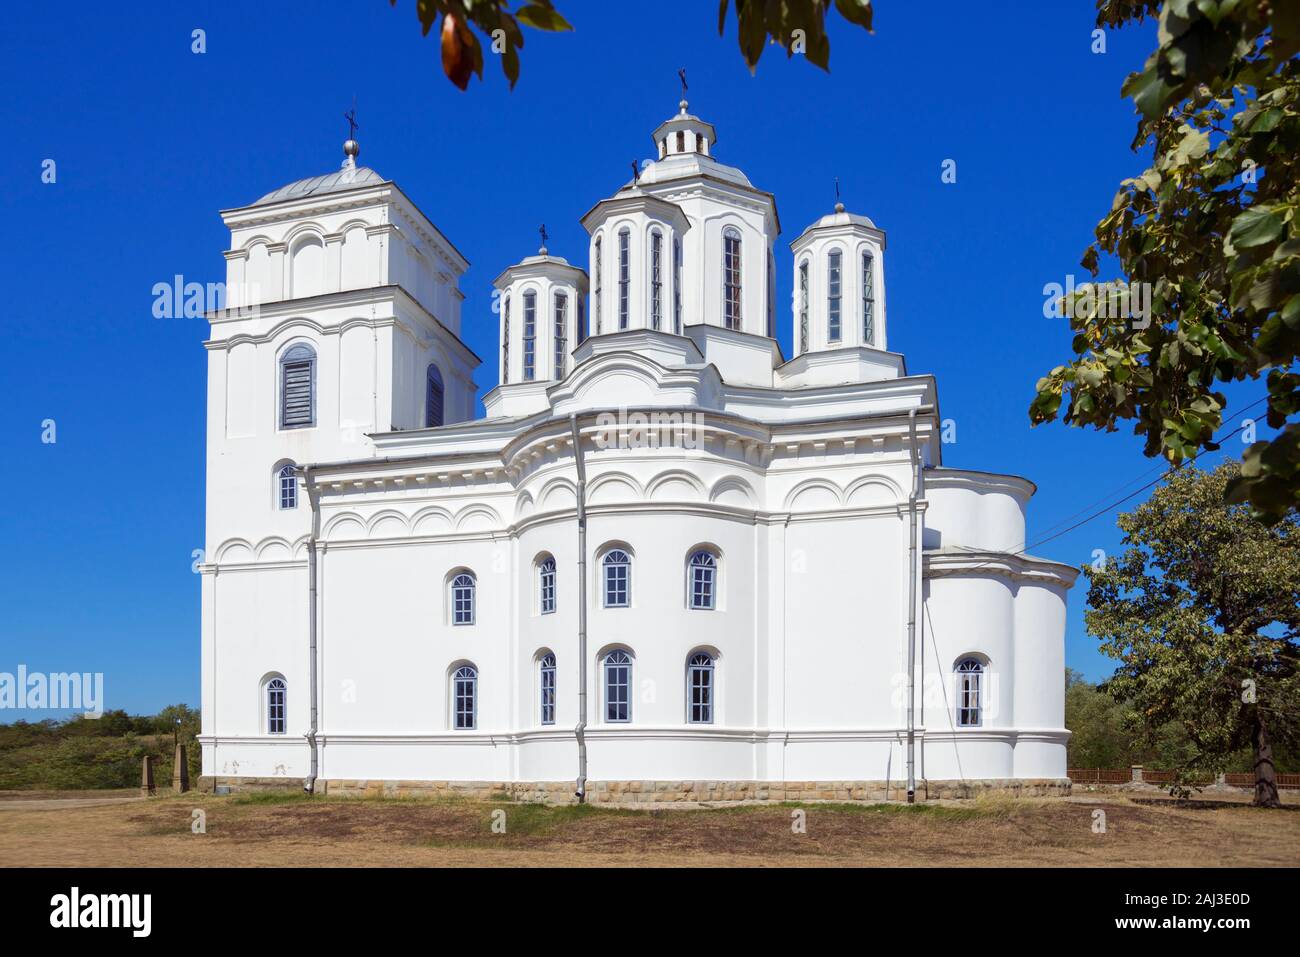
x=731 y=278
x=464 y=696
x=699 y=688
x=505 y=346
x=276 y=691
x=462 y=599
x=298 y=387
x=546 y=687
x=546 y=585
x=287 y=486
x=868 y=299
x=834 y=286
x=701 y=579
x=618 y=686
x=677 y=286
x=596 y=279
x=970 y=680
x=530 y=336
x=656 y=279
x=624 y=275
x=561 y=332
x=617 y=570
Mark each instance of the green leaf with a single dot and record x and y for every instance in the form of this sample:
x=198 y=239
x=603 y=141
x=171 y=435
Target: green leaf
x=541 y=16
x=1255 y=227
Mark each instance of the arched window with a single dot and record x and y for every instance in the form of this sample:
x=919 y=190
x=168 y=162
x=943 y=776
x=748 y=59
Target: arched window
x=546 y=585
x=464 y=694
x=618 y=578
x=970 y=677
x=624 y=275
x=276 y=690
x=595 y=293
x=618 y=686
x=546 y=688
x=771 y=296
x=656 y=279
x=677 y=286
x=433 y=399
x=505 y=346
x=287 y=486
x=530 y=336
x=833 y=285
x=699 y=688
x=298 y=387
x=701 y=578
x=561 y=332
x=582 y=322
x=462 y=599
x=868 y=299
x=681 y=141
x=731 y=278
x=803 y=306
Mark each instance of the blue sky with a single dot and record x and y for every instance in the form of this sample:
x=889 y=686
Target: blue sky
x=151 y=140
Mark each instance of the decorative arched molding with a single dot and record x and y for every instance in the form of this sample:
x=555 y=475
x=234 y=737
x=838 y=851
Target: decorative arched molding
x=733 y=490
x=872 y=490
x=344 y=527
x=274 y=549
x=261 y=239
x=388 y=524
x=556 y=495
x=477 y=518
x=615 y=487
x=431 y=520
x=675 y=485
x=524 y=505
x=235 y=551
x=813 y=495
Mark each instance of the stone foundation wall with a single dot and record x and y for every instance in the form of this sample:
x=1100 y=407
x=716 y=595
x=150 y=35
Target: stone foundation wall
x=655 y=792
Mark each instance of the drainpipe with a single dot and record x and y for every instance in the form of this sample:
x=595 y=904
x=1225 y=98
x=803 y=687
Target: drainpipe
x=911 y=607
x=313 y=496
x=581 y=728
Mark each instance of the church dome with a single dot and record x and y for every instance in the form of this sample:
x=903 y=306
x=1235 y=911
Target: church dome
x=841 y=218
x=349 y=176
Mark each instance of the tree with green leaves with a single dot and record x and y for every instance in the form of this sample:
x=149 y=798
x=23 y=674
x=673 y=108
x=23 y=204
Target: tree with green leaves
x=797 y=26
x=1211 y=230
x=1202 y=610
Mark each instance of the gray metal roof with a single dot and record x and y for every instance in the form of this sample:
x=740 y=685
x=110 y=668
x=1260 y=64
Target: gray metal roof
x=336 y=182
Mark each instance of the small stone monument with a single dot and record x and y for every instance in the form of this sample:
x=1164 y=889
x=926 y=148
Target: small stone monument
x=147 y=788
x=181 y=770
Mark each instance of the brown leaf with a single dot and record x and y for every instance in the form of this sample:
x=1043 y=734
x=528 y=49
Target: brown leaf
x=457 y=51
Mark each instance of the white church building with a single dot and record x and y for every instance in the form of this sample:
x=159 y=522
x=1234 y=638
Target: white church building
x=669 y=563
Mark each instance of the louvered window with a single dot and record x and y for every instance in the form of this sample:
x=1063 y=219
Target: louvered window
x=298 y=388
x=433 y=400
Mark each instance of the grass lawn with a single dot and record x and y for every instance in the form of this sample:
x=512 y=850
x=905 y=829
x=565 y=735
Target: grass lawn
x=116 y=829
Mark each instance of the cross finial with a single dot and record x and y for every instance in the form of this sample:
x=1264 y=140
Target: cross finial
x=542 y=231
x=839 y=206
x=351 y=117
x=636 y=173
x=681 y=75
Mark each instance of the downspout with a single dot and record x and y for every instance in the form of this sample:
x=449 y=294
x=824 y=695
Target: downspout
x=313 y=496
x=581 y=728
x=911 y=607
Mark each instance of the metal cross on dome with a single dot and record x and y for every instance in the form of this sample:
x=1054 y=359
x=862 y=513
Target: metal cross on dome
x=351 y=117
x=542 y=230
x=681 y=75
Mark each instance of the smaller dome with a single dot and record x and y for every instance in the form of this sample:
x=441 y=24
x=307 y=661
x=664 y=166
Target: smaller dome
x=842 y=218
x=350 y=177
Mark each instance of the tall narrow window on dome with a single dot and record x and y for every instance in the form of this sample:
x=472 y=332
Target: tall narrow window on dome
x=681 y=141
x=298 y=387
x=595 y=294
x=731 y=278
x=624 y=276
x=701 y=577
x=618 y=686
x=505 y=346
x=677 y=286
x=970 y=673
x=771 y=296
x=276 y=690
x=833 y=296
x=546 y=676
x=617 y=566
x=656 y=279
x=287 y=479
x=561 y=336
x=462 y=599
x=582 y=321
x=868 y=299
x=465 y=698
x=803 y=307
x=546 y=586
x=699 y=688
x=433 y=398
x=530 y=336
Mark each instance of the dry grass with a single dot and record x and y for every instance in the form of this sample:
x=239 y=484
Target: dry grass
x=287 y=829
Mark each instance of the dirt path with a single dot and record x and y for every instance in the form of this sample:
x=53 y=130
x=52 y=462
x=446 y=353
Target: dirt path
x=127 y=831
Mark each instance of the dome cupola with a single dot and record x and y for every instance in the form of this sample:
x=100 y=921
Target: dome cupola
x=839 y=284
x=542 y=310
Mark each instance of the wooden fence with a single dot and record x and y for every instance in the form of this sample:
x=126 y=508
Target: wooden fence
x=1152 y=776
